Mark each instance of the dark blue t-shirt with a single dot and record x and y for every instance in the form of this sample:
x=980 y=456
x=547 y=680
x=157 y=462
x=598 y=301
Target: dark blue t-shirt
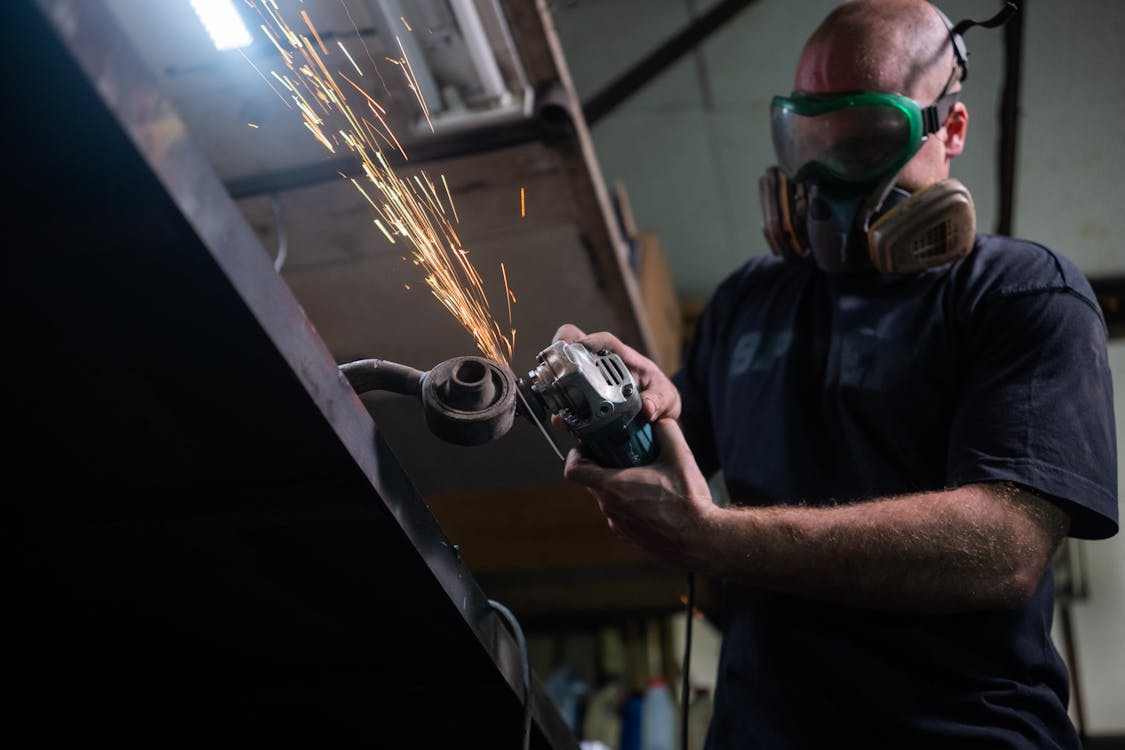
x=804 y=387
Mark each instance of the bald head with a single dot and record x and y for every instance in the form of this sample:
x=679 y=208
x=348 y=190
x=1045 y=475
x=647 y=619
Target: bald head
x=901 y=46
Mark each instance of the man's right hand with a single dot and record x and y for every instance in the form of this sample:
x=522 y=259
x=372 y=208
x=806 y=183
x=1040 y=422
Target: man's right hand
x=659 y=397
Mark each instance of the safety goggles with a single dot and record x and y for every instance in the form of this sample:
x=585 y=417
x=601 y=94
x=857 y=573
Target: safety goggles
x=852 y=138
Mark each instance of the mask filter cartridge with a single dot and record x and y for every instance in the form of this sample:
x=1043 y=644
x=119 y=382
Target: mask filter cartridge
x=931 y=227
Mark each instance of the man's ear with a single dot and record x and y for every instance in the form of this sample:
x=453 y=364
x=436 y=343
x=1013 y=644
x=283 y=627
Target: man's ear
x=955 y=129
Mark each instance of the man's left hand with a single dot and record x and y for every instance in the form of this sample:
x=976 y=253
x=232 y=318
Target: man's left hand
x=664 y=508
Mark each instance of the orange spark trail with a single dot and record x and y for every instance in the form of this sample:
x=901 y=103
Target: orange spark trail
x=345 y=51
x=305 y=15
x=412 y=81
x=373 y=65
x=255 y=67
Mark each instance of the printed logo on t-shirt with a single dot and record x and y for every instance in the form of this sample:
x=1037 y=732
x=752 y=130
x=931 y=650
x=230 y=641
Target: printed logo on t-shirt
x=759 y=350
x=871 y=361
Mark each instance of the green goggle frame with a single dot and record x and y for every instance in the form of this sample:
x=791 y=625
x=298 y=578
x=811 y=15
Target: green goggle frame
x=852 y=138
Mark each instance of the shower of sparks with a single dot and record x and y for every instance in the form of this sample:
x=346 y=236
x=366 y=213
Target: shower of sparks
x=523 y=204
x=364 y=43
x=412 y=83
x=255 y=67
x=413 y=208
x=383 y=229
x=309 y=23
x=404 y=23
x=456 y=218
x=272 y=38
x=252 y=125
x=345 y=51
x=509 y=298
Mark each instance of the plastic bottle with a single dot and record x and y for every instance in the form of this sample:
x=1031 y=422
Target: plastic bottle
x=631 y=721
x=658 y=717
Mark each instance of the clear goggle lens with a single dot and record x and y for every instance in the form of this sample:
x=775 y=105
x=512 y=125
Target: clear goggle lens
x=849 y=138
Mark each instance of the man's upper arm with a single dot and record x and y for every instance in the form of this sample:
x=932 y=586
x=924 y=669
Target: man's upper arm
x=1035 y=406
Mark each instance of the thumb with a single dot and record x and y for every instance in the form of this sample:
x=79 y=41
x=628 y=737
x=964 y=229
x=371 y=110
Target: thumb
x=569 y=333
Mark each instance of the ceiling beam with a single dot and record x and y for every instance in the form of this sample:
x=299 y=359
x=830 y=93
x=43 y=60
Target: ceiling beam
x=661 y=58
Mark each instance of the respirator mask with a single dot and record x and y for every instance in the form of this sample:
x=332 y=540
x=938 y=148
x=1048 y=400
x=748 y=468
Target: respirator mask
x=833 y=190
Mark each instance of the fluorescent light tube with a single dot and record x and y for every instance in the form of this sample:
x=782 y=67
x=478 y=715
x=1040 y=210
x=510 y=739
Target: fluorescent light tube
x=223 y=23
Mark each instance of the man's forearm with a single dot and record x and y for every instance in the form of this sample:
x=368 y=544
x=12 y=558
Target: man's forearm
x=975 y=547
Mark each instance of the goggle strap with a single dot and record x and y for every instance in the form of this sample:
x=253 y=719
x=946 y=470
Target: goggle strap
x=930 y=122
x=934 y=116
x=957 y=31
x=1001 y=18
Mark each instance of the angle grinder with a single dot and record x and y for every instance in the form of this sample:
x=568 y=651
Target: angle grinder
x=472 y=400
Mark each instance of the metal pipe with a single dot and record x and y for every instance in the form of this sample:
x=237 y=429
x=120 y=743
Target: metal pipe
x=380 y=375
x=480 y=51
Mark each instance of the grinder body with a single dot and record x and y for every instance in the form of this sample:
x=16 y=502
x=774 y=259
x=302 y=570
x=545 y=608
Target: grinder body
x=595 y=395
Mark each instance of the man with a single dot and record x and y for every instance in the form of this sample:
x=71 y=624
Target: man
x=903 y=451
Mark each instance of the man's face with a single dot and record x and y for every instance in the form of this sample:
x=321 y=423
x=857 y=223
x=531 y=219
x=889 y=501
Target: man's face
x=830 y=69
x=927 y=166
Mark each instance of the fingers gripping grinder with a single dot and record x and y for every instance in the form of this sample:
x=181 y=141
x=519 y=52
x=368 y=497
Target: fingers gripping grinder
x=472 y=400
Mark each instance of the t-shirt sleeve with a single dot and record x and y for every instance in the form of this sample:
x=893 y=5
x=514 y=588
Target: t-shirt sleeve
x=1035 y=404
